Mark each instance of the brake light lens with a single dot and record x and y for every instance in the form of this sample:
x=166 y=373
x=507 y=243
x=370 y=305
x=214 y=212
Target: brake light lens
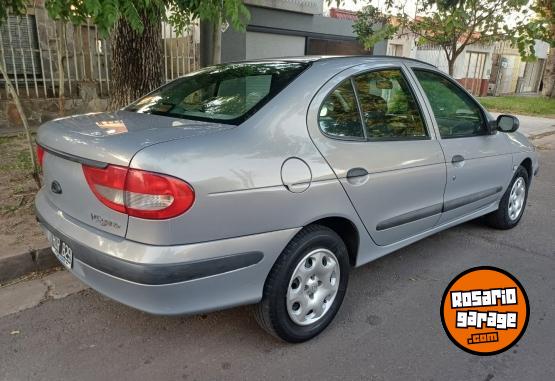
x=140 y=193
x=40 y=155
x=155 y=196
x=108 y=185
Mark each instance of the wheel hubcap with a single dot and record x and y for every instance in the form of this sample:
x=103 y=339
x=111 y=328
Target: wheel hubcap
x=516 y=198
x=313 y=287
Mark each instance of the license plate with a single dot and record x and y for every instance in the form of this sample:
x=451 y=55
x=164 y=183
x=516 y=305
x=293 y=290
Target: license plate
x=61 y=250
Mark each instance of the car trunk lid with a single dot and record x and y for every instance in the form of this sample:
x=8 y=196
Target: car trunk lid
x=100 y=140
x=115 y=137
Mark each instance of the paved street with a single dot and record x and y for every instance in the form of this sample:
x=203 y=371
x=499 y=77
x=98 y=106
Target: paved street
x=388 y=328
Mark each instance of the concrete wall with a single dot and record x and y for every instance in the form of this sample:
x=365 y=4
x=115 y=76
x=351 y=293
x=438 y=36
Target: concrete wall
x=299 y=22
x=472 y=67
x=275 y=24
x=315 y=7
x=263 y=45
x=407 y=43
x=437 y=57
x=40 y=110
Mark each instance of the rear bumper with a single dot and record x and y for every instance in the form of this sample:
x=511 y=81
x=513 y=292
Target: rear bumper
x=167 y=280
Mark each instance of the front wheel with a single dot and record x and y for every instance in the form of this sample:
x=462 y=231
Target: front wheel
x=306 y=286
x=513 y=202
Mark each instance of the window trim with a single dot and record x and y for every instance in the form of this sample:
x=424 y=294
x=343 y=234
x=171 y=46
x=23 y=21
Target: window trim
x=351 y=78
x=485 y=120
x=360 y=113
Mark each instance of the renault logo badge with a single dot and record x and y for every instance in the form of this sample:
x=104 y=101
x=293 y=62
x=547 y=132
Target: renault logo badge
x=55 y=187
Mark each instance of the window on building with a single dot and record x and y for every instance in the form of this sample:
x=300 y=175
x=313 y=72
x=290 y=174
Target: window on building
x=20 y=47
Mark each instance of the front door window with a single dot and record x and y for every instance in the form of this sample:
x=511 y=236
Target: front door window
x=457 y=114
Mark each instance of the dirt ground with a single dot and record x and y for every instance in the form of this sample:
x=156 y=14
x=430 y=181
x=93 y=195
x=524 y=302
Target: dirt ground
x=18 y=229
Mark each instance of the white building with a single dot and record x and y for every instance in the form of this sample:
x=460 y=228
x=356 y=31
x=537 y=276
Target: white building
x=482 y=69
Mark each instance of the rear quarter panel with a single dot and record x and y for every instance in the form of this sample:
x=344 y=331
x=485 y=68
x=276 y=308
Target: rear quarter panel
x=236 y=174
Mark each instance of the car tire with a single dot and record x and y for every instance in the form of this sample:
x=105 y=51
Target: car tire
x=512 y=204
x=294 y=306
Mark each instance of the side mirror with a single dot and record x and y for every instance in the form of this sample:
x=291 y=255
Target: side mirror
x=507 y=123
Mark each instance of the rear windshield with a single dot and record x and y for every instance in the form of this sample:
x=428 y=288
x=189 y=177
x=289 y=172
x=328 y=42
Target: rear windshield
x=224 y=93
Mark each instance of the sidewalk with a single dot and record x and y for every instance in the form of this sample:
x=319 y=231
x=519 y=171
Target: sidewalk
x=533 y=125
x=27 y=294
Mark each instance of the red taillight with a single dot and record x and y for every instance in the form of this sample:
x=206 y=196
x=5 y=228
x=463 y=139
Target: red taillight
x=140 y=193
x=108 y=184
x=40 y=155
x=155 y=196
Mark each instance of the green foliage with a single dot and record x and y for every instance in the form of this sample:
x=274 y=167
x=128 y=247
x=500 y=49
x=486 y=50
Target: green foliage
x=540 y=26
x=183 y=11
x=537 y=106
x=105 y=13
x=16 y=7
x=450 y=24
x=372 y=26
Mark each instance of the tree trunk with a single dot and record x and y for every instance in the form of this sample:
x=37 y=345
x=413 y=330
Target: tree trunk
x=137 y=61
x=451 y=65
x=549 y=75
x=216 y=42
x=23 y=117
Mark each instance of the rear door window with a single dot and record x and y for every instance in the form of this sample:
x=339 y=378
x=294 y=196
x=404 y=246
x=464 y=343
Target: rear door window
x=224 y=93
x=389 y=108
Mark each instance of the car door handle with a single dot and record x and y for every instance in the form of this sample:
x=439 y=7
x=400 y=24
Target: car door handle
x=356 y=172
x=457 y=159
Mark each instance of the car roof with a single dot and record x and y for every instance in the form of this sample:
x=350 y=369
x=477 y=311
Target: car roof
x=354 y=58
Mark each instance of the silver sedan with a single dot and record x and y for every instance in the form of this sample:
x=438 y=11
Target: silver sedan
x=266 y=181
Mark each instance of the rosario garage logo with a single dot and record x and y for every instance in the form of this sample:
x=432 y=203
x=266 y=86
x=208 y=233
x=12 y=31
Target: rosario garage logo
x=485 y=310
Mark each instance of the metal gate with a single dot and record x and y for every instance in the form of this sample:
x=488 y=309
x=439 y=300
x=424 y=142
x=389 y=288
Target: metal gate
x=31 y=46
x=475 y=69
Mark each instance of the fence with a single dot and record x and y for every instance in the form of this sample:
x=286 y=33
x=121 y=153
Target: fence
x=31 y=49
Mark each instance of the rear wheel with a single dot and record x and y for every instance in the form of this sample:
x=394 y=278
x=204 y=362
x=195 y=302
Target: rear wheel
x=306 y=286
x=513 y=202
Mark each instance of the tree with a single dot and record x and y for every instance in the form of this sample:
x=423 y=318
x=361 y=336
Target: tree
x=454 y=25
x=540 y=26
x=373 y=26
x=17 y=7
x=217 y=12
x=136 y=65
x=136 y=34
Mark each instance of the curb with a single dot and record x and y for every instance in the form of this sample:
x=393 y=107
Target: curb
x=16 y=265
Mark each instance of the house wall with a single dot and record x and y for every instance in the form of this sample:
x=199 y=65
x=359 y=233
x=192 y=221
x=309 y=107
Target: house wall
x=278 y=29
x=472 y=67
x=510 y=74
x=263 y=45
x=407 y=46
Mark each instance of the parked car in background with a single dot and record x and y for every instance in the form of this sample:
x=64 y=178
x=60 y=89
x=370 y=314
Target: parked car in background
x=266 y=181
